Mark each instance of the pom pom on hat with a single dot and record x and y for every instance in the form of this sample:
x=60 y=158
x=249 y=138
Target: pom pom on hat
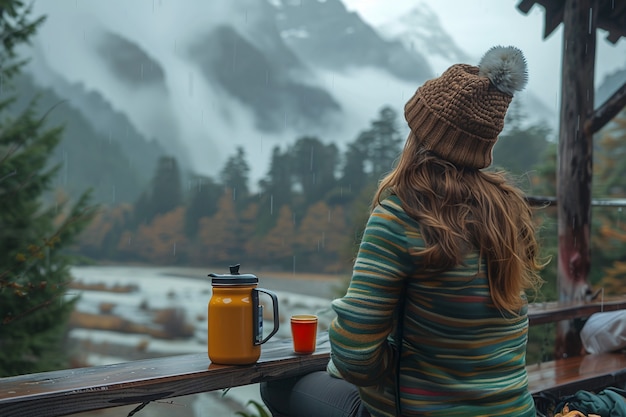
x=459 y=115
x=505 y=66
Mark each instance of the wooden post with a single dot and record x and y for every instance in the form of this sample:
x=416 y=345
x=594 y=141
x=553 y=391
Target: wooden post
x=575 y=163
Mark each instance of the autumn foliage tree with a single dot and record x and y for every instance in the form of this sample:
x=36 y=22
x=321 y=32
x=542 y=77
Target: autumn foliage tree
x=609 y=223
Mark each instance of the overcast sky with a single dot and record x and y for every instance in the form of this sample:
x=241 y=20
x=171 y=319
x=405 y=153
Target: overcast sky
x=479 y=24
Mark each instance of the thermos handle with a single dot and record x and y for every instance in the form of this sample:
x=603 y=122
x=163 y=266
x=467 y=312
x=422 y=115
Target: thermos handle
x=275 y=310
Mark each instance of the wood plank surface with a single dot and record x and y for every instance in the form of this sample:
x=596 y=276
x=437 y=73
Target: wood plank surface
x=70 y=391
x=589 y=372
x=65 y=392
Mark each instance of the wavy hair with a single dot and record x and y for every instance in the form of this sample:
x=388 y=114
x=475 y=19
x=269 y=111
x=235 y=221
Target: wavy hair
x=464 y=209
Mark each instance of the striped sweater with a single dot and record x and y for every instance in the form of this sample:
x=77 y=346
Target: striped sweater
x=460 y=356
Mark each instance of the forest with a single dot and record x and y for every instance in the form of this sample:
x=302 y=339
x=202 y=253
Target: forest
x=308 y=210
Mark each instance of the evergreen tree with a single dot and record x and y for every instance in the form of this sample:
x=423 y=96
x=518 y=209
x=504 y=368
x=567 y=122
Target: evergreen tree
x=164 y=195
x=314 y=166
x=205 y=194
x=386 y=144
x=276 y=190
x=520 y=148
x=235 y=175
x=354 y=177
x=34 y=265
x=372 y=154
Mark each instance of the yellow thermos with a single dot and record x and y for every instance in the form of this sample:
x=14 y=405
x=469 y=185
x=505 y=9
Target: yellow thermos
x=235 y=329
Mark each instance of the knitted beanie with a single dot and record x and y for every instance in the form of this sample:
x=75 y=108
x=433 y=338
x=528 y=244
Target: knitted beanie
x=459 y=115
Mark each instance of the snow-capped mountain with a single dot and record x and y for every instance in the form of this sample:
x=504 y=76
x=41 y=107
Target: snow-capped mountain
x=203 y=77
x=421 y=31
x=325 y=33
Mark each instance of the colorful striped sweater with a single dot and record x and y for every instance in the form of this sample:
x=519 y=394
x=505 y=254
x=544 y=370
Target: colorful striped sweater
x=460 y=356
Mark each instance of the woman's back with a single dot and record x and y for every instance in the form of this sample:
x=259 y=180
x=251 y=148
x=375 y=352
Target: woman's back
x=460 y=354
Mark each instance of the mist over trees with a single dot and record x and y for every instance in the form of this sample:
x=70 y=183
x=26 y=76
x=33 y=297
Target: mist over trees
x=302 y=216
x=306 y=214
x=309 y=209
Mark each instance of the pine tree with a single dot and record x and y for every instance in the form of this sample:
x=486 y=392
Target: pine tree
x=34 y=264
x=164 y=194
x=387 y=142
x=204 y=195
x=314 y=165
x=235 y=175
x=372 y=154
x=276 y=190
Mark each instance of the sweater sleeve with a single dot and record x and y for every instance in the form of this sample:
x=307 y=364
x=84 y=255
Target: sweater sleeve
x=358 y=335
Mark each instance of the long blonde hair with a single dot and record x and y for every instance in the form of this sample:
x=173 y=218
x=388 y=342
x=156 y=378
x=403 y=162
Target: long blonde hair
x=462 y=209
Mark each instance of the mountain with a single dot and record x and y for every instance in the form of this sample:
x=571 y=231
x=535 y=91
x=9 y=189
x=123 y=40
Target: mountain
x=310 y=26
x=129 y=62
x=116 y=171
x=420 y=30
x=197 y=79
x=262 y=81
x=609 y=85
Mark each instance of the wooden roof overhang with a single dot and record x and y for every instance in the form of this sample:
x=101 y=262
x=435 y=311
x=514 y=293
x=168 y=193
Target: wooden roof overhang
x=611 y=16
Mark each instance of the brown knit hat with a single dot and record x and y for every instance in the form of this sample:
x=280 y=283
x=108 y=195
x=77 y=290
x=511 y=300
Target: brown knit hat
x=459 y=115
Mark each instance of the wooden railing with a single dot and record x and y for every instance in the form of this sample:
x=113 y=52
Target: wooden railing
x=567 y=375
x=70 y=391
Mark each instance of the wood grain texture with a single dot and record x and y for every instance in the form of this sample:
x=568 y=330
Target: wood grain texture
x=588 y=372
x=575 y=161
x=65 y=392
x=70 y=391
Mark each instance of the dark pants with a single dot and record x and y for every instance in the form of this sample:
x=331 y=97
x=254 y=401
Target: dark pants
x=313 y=395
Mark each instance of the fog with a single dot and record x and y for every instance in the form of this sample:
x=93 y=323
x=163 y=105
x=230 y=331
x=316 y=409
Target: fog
x=197 y=120
x=189 y=113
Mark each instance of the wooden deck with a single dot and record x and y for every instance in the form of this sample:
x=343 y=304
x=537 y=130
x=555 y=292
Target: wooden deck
x=70 y=391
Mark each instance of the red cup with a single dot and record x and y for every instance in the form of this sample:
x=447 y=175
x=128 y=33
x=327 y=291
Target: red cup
x=304 y=332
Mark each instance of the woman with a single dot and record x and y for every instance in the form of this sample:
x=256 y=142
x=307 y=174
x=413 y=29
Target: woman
x=436 y=305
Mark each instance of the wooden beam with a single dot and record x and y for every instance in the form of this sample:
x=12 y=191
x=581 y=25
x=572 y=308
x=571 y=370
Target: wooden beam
x=553 y=18
x=575 y=161
x=551 y=312
x=543 y=201
x=606 y=112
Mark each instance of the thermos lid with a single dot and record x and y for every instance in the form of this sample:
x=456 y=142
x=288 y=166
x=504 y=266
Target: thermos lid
x=234 y=278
